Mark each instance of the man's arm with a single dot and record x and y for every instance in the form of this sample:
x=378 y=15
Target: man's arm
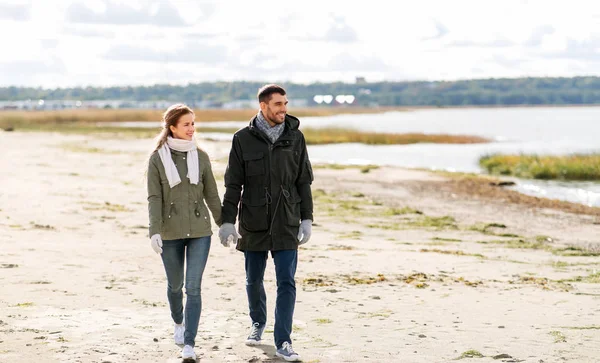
x=234 y=180
x=303 y=182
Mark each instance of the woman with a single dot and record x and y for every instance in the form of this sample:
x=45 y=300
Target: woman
x=180 y=179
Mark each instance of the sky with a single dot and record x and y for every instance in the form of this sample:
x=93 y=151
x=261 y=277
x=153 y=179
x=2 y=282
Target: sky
x=79 y=43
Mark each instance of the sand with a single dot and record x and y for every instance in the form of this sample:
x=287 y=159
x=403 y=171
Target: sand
x=399 y=268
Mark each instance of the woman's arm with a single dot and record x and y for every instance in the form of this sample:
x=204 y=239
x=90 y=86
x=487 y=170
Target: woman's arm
x=211 y=192
x=155 y=198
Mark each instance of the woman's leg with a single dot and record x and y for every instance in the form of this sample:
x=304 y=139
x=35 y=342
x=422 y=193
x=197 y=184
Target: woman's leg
x=196 y=255
x=173 y=257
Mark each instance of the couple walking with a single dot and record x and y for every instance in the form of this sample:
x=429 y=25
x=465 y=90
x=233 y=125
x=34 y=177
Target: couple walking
x=268 y=189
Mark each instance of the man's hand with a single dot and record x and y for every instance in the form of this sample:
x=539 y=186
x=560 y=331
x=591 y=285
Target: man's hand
x=228 y=235
x=156 y=243
x=304 y=231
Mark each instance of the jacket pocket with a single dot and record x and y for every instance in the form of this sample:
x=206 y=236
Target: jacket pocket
x=253 y=215
x=255 y=163
x=291 y=206
x=201 y=213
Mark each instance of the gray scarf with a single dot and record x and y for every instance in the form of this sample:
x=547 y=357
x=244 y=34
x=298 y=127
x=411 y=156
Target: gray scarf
x=272 y=132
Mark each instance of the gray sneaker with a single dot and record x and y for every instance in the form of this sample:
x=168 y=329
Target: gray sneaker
x=286 y=352
x=255 y=334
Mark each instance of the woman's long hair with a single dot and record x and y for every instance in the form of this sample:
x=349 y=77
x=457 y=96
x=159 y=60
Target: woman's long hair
x=170 y=118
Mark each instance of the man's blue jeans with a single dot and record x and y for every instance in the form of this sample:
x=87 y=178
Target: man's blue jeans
x=285 y=271
x=195 y=252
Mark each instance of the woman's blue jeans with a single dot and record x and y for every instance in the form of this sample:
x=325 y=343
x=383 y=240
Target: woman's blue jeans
x=193 y=254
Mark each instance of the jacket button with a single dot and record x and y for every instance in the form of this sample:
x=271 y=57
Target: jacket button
x=184 y=159
x=171 y=203
x=204 y=217
x=198 y=214
x=188 y=234
x=195 y=202
x=169 y=216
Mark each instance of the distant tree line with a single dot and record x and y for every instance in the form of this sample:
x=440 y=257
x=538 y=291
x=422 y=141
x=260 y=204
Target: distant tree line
x=520 y=91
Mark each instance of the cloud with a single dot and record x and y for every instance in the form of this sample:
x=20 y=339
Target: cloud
x=440 y=29
x=341 y=32
x=348 y=62
x=15 y=12
x=49 y=43
x=585 y=50
x=507 y=62
x=161 y=14
x=87 y=32
x=25 y=72
x=497 y=43
x=192 y=52
x=538 y=34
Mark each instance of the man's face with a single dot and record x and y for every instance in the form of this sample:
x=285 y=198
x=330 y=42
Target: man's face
x=275 y=110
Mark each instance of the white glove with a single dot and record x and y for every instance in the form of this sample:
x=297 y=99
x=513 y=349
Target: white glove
x=228 y=235
x=304 y=231
x=156 y=243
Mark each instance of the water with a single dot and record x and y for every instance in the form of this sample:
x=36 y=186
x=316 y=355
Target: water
x=542 y=130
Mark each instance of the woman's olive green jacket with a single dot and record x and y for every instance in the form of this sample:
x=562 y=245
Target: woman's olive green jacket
x=181 y=212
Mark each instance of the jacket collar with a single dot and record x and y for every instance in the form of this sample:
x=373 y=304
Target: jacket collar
x=291 y=123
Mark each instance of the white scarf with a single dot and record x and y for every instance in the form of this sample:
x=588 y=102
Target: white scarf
x=192 y=160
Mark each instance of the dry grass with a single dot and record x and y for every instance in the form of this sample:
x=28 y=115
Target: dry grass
x=570 y=167
x=90 y=121
x=337 y=136
x=16 y=118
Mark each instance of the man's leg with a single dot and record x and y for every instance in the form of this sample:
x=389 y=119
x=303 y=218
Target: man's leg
x=196 y=255
x=285 y=270
x=256 y=261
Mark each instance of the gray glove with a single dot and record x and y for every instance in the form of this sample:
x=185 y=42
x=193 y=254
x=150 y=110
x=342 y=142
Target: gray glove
x=304 y=231
x=228 y=234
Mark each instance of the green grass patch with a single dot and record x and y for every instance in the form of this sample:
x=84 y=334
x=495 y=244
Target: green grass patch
x=445 y=222
x=452 y=252
x=386 y=226
x=107 y=206
x=441 y=239
x=592 y=278
x=572 y=251
x=23 y=305
x=558 y=336
x=340 y=248
x=470 y=354
x=570 y=167
x=486 y=228
x=322 y=321
x=401 y=211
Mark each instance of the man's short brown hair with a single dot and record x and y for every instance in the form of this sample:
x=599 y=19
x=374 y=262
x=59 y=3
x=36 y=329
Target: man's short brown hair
x=265 y=92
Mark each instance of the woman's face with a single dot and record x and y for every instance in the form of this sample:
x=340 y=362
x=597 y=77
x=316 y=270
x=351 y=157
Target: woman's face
x=185 y=127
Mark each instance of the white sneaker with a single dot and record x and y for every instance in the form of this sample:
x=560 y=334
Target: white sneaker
x=178 y=333
x=255 y=334
x=187 y=354
x=287 y=353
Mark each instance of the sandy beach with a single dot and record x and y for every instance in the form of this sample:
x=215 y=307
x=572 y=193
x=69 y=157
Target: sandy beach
x=403 y=266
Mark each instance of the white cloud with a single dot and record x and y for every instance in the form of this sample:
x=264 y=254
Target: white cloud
x=159 y=14
x=192 y=52
x=109 y=42
x=16 y=12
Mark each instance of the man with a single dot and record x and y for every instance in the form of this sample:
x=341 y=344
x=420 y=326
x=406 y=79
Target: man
x=268 y=180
